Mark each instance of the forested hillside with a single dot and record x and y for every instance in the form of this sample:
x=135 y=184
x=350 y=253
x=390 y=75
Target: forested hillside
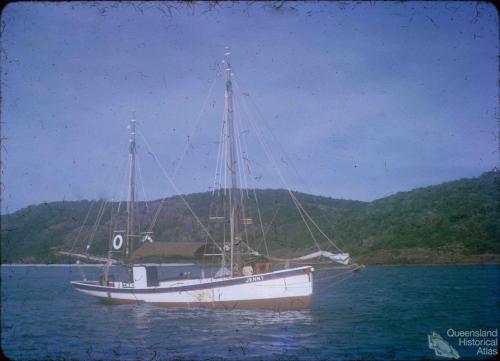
x=459 y=217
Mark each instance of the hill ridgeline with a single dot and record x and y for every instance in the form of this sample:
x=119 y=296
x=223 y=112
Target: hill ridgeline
x=447 y=223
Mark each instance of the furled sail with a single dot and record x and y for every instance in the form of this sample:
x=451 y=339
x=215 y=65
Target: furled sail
x=342 y=258
x=87 y=257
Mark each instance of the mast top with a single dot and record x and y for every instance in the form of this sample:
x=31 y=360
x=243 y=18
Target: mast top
x=226 y=61
x=131 y=127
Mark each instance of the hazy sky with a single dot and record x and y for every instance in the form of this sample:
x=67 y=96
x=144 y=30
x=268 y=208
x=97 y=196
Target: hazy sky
x=365 y=99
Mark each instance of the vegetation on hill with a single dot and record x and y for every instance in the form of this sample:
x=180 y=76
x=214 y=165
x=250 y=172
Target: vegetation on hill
x=459 y=217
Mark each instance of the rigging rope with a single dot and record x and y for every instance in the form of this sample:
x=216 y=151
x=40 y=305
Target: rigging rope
x=239 y=153
x=244 y=145
x=299 y=206
x=172 y=184
x=275 y=165
x=328 y=277
x=260 y=221
x=186 y=148
x=96 y=225
x=289 y=161
x=83 y=224
x=141 y=179
x=226 y=155
x=272 y=220
x=123 y=185
x=241 y=174
x=244 y=150
x=218 y=166
x=80 y=269
x=348 y=274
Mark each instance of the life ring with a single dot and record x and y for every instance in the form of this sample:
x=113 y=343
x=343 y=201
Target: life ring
x=118 y=242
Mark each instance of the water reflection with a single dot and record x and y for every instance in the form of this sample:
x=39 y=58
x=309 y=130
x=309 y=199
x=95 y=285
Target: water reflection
x=219 y=332
x=144 y=313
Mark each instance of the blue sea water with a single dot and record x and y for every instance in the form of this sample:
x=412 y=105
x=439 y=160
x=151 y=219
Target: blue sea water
x=380 y=313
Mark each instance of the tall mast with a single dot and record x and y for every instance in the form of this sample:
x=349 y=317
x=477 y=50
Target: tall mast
x=233 y=166
x=131 y=196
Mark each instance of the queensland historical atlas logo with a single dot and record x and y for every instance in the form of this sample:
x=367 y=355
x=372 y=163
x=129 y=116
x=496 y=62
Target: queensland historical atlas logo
x=485 y=342
x=441 y=347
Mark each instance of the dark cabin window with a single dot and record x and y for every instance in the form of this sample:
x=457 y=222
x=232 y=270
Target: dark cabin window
x=152 y=276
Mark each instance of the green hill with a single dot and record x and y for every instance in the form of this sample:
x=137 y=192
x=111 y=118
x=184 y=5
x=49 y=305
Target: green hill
x=445 y=222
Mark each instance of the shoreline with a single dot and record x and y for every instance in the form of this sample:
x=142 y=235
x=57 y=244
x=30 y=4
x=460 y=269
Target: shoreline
x=194 y=264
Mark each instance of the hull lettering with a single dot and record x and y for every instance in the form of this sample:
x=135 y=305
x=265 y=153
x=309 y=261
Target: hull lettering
x=254 y=279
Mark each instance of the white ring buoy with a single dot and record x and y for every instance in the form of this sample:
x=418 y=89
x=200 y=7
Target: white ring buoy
x=118 y=242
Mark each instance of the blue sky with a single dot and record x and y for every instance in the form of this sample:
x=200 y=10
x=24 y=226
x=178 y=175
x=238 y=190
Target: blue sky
x=365 y=99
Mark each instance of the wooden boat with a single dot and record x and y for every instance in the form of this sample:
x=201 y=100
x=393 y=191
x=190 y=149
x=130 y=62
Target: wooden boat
x=239 y=283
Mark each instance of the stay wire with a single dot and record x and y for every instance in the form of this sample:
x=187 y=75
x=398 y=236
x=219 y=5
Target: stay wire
x=174 y=186
x=273 y=161
x=244 y=149
x=83 y=225
x=186 y=147
x=297 y=203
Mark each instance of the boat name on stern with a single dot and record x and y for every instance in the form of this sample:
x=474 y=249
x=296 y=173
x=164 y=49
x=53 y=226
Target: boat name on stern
x=254 y=279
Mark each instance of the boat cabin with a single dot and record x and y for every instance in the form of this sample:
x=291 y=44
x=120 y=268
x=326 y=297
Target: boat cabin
x=145 y=276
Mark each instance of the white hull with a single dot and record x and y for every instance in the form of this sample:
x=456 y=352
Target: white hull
x=287 y=289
